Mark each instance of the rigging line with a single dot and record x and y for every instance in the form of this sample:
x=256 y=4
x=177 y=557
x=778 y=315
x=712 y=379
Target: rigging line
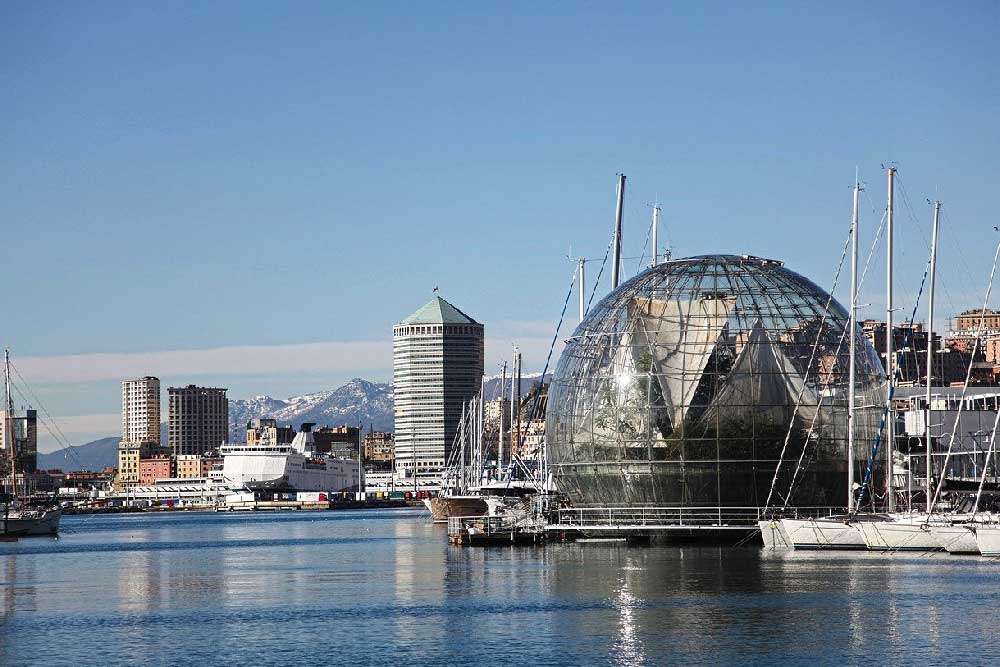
x=968 y=374
x=548 y=360
x=836 y=355
x=37 y=401
x=649 y=230
x=892 y=382
x=597 y=281
x=802 y=387
x=986 y=464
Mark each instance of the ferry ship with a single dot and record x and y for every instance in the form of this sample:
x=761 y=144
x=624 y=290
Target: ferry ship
x=295 y=467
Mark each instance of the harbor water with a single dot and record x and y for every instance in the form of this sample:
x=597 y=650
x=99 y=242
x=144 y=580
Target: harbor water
x=383 y=587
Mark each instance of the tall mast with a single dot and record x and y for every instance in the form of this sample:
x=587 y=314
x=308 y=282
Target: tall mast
x=583 y=288
x=479 y=434
x=889 y=358
x=853 y=323
x=503 y=385
x=656 y=225
x=8 y=425
x=513 y=404
x=930 y=352
x=617 y=255
x=461 y=458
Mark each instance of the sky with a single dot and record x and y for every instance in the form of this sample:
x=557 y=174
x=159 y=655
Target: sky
x=250 y=194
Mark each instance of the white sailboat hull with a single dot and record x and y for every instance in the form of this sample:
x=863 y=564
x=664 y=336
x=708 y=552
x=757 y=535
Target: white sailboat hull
x=823 y=534
x=988 y=540
x=898 y=536
x=956 y=539
x=774 y=535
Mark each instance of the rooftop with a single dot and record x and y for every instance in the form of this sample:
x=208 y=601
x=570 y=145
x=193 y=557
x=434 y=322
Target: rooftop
x=438 y=311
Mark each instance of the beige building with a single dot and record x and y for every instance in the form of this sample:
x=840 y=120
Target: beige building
x=198 y=419
x=266 y=430
x=188 y=466
x=140 y=427
x=379 y=447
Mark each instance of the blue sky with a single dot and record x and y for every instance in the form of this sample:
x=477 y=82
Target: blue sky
x=250 y=194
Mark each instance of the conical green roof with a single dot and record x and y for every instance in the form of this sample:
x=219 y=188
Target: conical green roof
x=438 y=311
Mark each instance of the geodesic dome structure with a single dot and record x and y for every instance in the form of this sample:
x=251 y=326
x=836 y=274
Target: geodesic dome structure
x=679 y=387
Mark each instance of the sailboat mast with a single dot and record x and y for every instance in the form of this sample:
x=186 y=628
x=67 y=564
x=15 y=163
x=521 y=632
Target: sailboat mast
x=8 y=425
x=503 y=386
x=889 y=357
x=930 y=352
x=461 y=458
x=617 y=255
x=583 y=289
x=853 y=323
x=656 y=225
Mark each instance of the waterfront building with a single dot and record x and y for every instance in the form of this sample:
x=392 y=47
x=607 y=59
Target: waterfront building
x=198 y=419
x=140 y=427
x=380 y=448
x=340 y=442
x=681 y=387
x=154 y=468
x=25 y=429
x=267 y=430
x=187 y=466
x=437 y=365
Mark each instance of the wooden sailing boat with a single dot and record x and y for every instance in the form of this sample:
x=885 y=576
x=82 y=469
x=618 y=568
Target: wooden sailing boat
x=20 y=519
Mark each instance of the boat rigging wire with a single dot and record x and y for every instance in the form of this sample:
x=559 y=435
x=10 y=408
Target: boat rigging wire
x=965 y=385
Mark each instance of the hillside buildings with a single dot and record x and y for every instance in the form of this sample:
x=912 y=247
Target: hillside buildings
x=437 y=364
x=140 y=427
x=198 y=419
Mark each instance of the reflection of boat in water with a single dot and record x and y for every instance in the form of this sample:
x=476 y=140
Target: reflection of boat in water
x=298 y=466
x=21 y=519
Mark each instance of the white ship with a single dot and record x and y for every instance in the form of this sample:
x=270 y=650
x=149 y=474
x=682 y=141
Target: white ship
x=296 y=467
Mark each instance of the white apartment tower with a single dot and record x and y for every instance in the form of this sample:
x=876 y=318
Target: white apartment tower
x=437 y=364
x=140 y=426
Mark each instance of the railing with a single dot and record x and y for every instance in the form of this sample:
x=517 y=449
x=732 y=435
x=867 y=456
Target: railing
x=492 y=525
x=677 y=517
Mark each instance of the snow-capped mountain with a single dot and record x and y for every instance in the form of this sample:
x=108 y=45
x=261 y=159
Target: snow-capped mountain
x=359 y=398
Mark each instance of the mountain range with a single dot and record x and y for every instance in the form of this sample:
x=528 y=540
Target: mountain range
x=359 y=399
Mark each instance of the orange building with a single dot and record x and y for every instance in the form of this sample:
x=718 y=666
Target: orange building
x=154 y=468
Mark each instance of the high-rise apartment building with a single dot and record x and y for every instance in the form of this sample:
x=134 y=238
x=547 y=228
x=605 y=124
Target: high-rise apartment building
x=25 y=430
x=437 y=365
x=198 y=419
x=140 y=426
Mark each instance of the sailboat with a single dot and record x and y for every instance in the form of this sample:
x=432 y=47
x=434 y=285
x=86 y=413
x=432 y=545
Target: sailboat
x=20 y=519
x=834 y=532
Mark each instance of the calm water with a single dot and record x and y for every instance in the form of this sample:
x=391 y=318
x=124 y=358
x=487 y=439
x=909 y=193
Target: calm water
x=385 y=588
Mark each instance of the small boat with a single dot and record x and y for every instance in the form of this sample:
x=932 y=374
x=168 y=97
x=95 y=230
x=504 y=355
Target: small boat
x=20 y=519
x=443 y=507
x=28 y=521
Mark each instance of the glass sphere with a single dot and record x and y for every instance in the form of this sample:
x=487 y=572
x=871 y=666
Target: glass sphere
x=689 y=383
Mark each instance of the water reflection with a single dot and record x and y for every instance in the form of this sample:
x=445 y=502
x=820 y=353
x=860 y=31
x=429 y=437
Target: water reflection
x=389 y=589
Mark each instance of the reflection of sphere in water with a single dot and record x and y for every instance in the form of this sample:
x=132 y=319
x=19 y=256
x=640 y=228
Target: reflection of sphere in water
x=678 y=388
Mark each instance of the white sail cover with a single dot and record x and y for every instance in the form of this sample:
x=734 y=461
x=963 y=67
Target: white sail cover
x=763 y=382
x=680 y=336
